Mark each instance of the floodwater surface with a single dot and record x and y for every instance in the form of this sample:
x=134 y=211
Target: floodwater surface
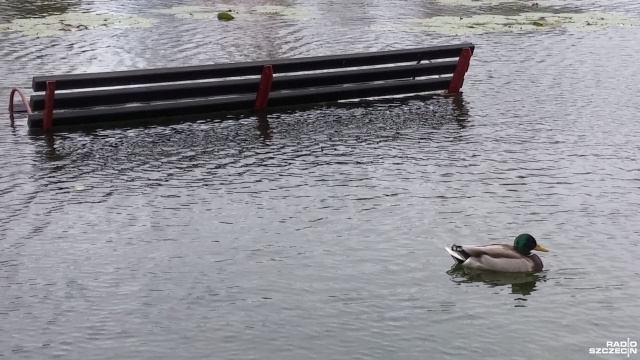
x=320 y=232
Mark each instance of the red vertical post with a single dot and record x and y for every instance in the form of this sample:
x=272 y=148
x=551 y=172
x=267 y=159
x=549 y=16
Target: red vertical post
x=266 y=80
x=49 y=95
x=461 y=69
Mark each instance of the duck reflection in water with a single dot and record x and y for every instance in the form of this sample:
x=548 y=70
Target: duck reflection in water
x=521 y=283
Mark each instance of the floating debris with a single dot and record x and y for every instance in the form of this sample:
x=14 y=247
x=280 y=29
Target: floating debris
x=213 y=11
x=202 y=12
x=496 y=2
x=225 y=16
x=454 y=25
x=55 y=25
x=284 y=11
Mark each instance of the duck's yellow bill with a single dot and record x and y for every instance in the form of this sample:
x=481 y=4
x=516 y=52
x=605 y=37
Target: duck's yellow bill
x=540 y=248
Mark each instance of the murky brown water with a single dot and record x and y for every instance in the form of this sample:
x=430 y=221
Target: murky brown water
x=321 y=235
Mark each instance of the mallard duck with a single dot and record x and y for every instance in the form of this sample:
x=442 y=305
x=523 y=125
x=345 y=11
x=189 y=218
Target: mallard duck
x=500 y=257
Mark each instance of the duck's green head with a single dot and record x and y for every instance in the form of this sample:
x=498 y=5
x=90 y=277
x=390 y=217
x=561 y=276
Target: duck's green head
x=524 y=243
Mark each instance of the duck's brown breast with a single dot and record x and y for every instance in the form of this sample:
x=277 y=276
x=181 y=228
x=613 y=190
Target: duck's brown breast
x=537 y=262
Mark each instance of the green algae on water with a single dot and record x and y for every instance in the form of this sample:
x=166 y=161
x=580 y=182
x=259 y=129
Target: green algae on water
x=56 y=25
x=455 y=25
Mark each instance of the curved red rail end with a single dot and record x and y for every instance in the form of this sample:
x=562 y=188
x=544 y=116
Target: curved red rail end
x=24 y=101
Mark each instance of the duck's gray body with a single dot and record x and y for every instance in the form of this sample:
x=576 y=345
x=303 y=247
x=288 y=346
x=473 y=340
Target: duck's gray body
x=494 y=257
